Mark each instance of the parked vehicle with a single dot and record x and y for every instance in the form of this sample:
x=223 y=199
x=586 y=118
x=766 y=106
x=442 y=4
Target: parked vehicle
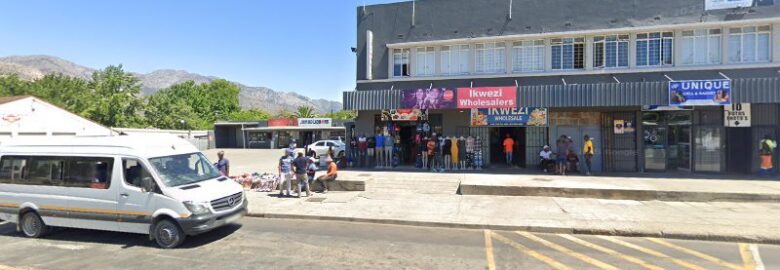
x=161 y=186
x=320 y=148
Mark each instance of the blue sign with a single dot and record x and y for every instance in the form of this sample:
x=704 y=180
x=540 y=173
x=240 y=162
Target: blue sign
x=525 y=116
x=700 y=93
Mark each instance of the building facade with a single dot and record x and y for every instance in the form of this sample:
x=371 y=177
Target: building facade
x=27 y=116
x=663 y=85
x=277 y=133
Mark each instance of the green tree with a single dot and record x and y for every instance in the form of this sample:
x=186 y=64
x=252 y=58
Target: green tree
x=11 y=85
x=199 y=105
x=70 y=93
x=284 y=113
x=117 y=101
x=168 y=111
x=342 y=115
x=305 y=112
x=249 y=115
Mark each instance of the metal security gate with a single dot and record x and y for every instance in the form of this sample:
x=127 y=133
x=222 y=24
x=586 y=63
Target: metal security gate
x=620 y=152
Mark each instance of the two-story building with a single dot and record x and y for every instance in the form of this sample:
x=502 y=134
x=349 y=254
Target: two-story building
x=662 y=85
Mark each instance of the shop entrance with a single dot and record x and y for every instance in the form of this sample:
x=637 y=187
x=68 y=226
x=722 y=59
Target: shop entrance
x=667 y=137
x=497 y=136
x=739 y=151
x=407 y=149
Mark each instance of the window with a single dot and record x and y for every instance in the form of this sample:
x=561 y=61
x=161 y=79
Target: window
x=749 y=44
x=455 y=59
x=134 y=172
x=568 y=53
x=12 y=169
x=184 y=169
x=44 y=171
x=491 y=58
x=610 y=51
x=425 y=61
x=701 y=47
x=528 y=56
x=88 y=172
x=654 y=49
x=400 y=62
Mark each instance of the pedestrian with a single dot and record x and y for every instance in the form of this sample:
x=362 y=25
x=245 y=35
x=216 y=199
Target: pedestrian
x=311 y=170
x=389 y=147
x=223 y=164
x=766 y=154
x=588 y=151
x=545 y=158
x=285 y=174
x=380 y=149
x=509 y=146
x=562 y=153
x=300 y=166
x=330 y=176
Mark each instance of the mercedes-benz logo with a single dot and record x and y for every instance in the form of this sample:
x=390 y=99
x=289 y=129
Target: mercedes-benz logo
x=231 y=201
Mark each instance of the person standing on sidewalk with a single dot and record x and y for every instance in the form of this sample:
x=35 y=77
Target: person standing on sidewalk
x=223 y=165
x=300 y=165
x=588 y=151
x=285 y=174
x=330 y=176
x=562 y=153
x=509 y=146
x=766 y=154
x=380 y=150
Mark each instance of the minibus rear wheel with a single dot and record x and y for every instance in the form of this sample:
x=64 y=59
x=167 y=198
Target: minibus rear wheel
x=168 y=234
x=32 y=225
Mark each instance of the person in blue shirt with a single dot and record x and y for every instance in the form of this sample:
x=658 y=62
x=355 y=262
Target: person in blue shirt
x=223 y=165
x=379 y=146
x=286 y=175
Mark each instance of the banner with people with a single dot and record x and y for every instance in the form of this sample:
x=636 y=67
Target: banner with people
x=524 y=116
x=425 y=99
x=487 y=97
x=700 y=93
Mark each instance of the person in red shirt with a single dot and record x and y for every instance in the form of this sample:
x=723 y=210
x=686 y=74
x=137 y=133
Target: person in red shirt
x=509 y=146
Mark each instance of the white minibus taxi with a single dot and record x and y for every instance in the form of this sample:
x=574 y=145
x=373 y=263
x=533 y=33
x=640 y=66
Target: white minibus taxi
x=152 y=184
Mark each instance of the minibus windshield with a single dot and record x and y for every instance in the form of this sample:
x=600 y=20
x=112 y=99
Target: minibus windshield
x=184 y=169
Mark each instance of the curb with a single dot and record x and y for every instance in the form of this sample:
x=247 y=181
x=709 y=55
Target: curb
x=533 y=229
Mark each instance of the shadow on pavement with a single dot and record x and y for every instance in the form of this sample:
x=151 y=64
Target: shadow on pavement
x=126 y=240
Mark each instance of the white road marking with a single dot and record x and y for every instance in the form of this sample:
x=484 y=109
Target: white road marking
x=757 y=257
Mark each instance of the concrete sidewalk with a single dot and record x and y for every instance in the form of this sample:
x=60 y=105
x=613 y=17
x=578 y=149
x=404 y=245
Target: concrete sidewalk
x=723 y=221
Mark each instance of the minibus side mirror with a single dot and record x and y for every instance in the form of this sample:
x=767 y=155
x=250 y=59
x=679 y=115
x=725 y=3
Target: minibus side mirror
x=147 y=184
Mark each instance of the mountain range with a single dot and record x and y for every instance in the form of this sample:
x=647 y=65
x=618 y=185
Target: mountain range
x=36 y=66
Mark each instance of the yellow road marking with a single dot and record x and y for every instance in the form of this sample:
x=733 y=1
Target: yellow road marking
x=536 y=255
x=696 y=253
x=572 y=253
x=750 y=257
x=628 y=258
x=653 y=253
x=491 y=261
x=5 y=267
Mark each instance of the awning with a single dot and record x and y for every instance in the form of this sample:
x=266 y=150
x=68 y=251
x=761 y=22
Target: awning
x=267 y=129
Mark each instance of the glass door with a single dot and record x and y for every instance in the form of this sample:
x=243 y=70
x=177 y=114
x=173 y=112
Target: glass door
x=679 y=148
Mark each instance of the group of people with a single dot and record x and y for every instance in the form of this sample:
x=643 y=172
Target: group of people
x=565 y=159
x=302 y=169
x=377 y=151
x=442 y=153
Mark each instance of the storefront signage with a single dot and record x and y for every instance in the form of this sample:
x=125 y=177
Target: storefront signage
x=424 y=99
x=405 y=115
x=737 y=115
x=725 y=4
x=700 y=93
x=282 y=122
x=524 y=116
x=624 y=127
x=314 y=122
x=487 y=97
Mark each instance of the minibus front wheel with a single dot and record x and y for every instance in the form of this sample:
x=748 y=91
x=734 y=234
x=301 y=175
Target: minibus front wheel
x=32 y=225
x=168 y=234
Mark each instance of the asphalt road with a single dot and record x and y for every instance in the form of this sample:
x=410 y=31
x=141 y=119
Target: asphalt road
x=295 y=244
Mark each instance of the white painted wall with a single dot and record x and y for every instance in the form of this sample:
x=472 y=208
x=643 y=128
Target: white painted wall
x=33 y=117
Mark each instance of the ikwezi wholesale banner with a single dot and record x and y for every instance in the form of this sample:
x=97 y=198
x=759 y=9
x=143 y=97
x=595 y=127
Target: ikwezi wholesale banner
x=700 y=93
x=524 y=116
x=424 y=99
x=487 y=97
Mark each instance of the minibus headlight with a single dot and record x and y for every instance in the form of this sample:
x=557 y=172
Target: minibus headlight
x=197 y=208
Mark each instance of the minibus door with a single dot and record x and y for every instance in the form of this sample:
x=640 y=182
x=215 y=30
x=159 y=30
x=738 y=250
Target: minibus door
x=135 y=204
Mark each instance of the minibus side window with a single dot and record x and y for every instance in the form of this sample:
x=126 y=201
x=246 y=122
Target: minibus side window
x=45 y=171
x=88 y=172
x=134 y=172
x=12 y=169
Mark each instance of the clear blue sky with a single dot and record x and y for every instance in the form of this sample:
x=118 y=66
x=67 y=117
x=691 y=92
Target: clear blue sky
x=297 y=46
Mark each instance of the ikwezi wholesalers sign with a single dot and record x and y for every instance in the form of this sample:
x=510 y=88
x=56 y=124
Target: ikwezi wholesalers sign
x=487 y=97
x=524 y=116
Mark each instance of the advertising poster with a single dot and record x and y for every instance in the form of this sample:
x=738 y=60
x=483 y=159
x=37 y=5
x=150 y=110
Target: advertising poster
x=487 y=97
x=620 y=127
x=405 y=115
x=726 y=4
x=425 y=99
x=525 y=116
x=700 y=93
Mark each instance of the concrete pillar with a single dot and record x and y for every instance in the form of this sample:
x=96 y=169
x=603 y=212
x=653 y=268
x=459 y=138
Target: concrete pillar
x=775 y=40
x=547 y=56
x=632 y=51
x=589 y=53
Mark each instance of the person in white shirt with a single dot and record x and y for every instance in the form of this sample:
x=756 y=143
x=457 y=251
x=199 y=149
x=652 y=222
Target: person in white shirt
x=545 y=157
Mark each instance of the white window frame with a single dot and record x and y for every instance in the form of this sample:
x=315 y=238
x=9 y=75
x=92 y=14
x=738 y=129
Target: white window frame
x=568 y=41
x=695 y=34
x=490 y=58
x=455 y=59
x=601 y=41
x=662 y=37
x=523 y=48
x=425 y=61
x=759 y=29
x=404 y=57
